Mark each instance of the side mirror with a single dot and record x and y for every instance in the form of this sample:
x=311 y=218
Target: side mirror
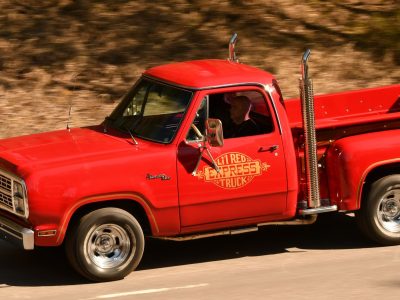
x=214 y=132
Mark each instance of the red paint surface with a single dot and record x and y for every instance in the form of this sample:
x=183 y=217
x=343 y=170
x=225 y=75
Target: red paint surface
x=209 y=73
x=65 y=170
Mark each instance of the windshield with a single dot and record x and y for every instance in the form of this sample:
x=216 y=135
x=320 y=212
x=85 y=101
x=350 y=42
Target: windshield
x=152 y=111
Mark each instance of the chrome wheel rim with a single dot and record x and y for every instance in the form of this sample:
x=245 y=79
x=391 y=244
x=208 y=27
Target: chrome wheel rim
x=389 y=211
x=108 y=246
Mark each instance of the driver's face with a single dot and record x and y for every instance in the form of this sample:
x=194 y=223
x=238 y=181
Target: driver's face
x=237 y=111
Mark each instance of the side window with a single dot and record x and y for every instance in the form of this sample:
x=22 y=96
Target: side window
x=197 y=129
x=242 y=114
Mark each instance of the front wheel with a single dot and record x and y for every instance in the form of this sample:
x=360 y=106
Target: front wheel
x=106 y=244
x=379 y=216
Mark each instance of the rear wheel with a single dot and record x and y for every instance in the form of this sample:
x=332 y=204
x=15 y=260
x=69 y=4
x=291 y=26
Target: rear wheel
x=379 y=216
x=106 y=244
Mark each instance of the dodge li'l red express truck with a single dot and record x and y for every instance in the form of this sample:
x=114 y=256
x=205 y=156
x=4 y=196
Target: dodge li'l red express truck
x=168 y=163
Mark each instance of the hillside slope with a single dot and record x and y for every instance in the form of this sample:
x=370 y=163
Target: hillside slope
x=87 y=53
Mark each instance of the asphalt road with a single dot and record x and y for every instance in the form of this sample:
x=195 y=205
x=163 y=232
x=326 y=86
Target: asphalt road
x=328 y=260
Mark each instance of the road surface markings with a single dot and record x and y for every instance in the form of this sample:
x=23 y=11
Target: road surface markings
x=151 y=291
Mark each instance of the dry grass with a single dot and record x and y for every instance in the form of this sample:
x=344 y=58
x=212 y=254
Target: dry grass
x=54 y=53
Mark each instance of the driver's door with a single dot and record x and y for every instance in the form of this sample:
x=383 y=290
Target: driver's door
x=251 y=184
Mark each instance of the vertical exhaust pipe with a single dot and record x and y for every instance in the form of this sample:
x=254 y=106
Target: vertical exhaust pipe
x=232 y=43
x=310 y=153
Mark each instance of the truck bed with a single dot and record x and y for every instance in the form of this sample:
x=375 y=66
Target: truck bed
x=353 y=112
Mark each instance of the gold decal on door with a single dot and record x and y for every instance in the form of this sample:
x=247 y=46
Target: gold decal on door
x=236 y=170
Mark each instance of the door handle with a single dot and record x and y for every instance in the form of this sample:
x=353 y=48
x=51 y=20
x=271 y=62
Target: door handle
x=269 y=149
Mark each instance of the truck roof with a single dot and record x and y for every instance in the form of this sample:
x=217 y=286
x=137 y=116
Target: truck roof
x=210 y=73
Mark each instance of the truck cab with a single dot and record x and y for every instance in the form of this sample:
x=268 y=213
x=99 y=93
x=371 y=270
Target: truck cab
x=253 y=181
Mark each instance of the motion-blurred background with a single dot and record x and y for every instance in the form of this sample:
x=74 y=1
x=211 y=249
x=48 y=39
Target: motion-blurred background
x=57 y=52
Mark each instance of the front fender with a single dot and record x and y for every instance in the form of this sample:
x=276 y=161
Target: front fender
x=98 y=200
x=56 y=194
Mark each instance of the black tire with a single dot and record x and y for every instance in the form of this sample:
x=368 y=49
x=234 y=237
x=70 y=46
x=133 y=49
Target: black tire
x=379 y=216
x=105 y=245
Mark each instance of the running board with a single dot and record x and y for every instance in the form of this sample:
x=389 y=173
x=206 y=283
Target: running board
x=206 y=235
x=304 y=221
x=317 y=210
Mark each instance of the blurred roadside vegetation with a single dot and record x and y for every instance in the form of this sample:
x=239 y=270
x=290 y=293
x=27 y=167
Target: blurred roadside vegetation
x=54 y=53
x=379 y=34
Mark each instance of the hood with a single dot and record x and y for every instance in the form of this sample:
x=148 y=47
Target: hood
x=60 y=147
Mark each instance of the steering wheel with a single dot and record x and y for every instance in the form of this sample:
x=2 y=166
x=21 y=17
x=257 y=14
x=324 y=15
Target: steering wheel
x=196 y=131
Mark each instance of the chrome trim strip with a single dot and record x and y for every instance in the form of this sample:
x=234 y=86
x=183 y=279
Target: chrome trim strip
x=13 y=232
x=231 y=85
x=203 y=88
x=267 y=89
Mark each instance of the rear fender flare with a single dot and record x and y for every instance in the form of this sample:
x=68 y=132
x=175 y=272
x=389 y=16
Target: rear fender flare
x=375 y=171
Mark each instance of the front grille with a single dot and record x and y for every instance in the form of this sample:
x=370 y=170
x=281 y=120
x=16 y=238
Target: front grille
x=13 y=194
x=5 y=183
x=6 y=200
x=5 y=191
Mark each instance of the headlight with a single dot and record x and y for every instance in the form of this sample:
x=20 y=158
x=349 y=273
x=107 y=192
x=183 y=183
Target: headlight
x=19 y=198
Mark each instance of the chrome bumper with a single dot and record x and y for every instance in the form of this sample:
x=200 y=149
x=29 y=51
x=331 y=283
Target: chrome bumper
x=16 y=234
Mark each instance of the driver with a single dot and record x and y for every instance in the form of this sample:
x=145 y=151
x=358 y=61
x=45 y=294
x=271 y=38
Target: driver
x=243 y=125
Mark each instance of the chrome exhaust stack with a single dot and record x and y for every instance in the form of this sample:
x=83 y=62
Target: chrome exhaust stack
x=310 y=148
x=310 y=151
x=232 y=43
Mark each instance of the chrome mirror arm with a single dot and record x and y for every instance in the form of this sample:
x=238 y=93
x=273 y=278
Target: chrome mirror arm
x=202 y=148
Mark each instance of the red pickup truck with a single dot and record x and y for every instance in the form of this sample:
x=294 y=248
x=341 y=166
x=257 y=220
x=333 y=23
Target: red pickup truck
x=172 y=162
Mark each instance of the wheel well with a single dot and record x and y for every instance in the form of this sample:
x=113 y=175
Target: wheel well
x=376 y=174
x=134 y=208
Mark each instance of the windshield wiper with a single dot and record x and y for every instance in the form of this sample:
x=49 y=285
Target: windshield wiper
x=130 y=133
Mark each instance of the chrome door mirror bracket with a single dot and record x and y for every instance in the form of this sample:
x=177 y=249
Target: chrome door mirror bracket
x=215 y=138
